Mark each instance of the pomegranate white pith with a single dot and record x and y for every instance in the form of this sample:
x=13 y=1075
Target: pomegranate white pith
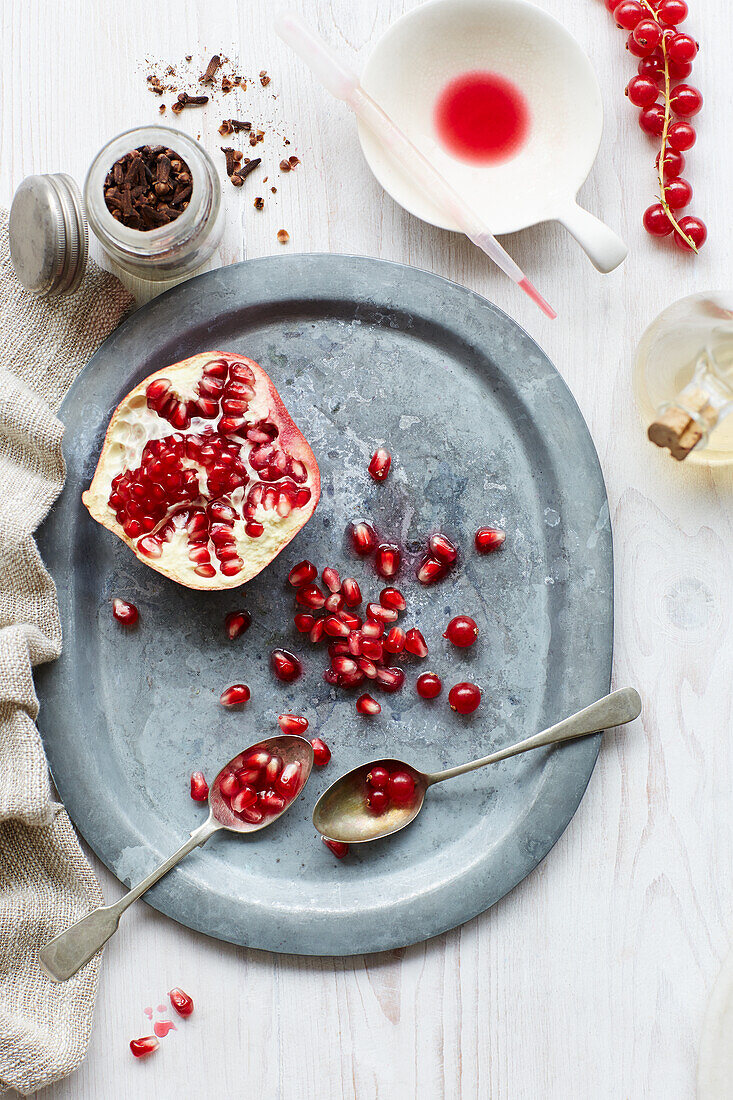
x=203 y=473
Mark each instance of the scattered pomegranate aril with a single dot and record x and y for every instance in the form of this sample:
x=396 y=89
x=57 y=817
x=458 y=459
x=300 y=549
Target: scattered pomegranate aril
x=401 y=787
x=199 y=787
x=334 y=602
x=695 y=229
x=272 y=769
x=428 y=685
x=488 y=539
x=316 y=631
x=285 y=665
x=303 y=622
x=321 y=752
x=462 y=631
x=373 y=648
x=344 y=665
x=142 y=1047
x=125 y=613
x=372 y=628
x=431 y=570
x=387 y=560
x=207 y=480
x=363 y=538
x=368 y=667
x=377 y=801
x=395 y=640
x=380 y=613
x=355 y=643
x=380 y=464
x=252 y=815
x=229 y=784
x=336 y=846
x=242 y=799
x=393 y=599
x=270 y=802
x=235 y=695
x=289 y=779
x=390 y=679
x=292 y=723
x=302 y=573
x=236 y=622
x=442 y=548
x=365 y=704
x=335 y=627
x=351 y=592
x=331 y=579
x=352 y=621
x=310 y=596
x=464 y=697
x=181 y=1001
x=415 y=643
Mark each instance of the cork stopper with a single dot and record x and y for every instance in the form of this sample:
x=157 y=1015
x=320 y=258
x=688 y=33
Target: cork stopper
x=681 y=427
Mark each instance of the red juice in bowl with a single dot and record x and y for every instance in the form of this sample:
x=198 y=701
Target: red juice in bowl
x=482 y=117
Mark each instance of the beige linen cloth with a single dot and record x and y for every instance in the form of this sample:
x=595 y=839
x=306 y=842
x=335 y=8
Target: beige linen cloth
x=45 y=881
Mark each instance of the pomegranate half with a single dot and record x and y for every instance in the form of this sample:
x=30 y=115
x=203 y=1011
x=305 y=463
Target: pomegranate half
x=203 y=473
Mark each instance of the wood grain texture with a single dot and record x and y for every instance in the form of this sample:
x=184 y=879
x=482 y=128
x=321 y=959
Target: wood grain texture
x=590 y=980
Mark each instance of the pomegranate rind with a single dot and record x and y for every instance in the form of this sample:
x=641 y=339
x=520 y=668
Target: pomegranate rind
x=133 y=424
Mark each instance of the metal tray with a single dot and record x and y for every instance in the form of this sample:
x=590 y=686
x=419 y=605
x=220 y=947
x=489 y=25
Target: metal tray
x=482 y=428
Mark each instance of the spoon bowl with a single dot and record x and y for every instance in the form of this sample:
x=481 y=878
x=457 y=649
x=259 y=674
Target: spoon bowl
x=341 y=813
x=291 y=749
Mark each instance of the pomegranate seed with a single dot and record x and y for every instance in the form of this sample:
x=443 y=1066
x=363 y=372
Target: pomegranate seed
x=335 y=627
x=235 y=695
x=252 y=815
x=331 y=579
x=431 y=570
x=141 y=1047
x=270 y=802
x=321 y=752
x=368 y=667
x=401 y=787
x=372 y=629
x=302 y=573
x=363 y=538
x=260 y=758
x=378 y=778
x=390 y=679
x=355 y=643
x=366 y=705
x=464 y=698
x=289 y=779
x=343 y=664
x=377 y=801
x=229 y=784
x=381 y=614
x=393 y=599
x=303 y=622
x=372 y=648
x=351 y=679
x=292 y=723
x=462 y=631
x=488 y=539
x=125 y=613
x=333 y=603
x=243 y=799
x=442 y=548
x=249 y=777
x=395 y=640
x=316 y=632
x=429 y=685
x=236 y=623
x=199 y=787
x=380 y=464
x=351 y=592
x=311 y=596
x=339 y=850
x=415 y=643
x=273 y=768
x=181 y=1001
x=387 y=560
x=352 y=621
x=330 y=677
x=285 y=665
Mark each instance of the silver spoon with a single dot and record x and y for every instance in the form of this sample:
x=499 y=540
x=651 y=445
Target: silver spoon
x=70 y=950
x=341 y=812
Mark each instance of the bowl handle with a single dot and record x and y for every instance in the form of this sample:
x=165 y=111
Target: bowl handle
x=604 y=248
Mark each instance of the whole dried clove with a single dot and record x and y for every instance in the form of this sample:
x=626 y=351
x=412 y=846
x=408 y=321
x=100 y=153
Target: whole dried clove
x=148 y=187
x=211 y=70
x=186 y=100
x=233 y=126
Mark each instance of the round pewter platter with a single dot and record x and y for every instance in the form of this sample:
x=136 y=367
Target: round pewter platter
x=482 y=429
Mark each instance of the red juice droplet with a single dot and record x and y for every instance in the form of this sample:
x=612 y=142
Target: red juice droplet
x=162 y=1027
x=162 y=1008
x=148 y=1012
x=482 y=117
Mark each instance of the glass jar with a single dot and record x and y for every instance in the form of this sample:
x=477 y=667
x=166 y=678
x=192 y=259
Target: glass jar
x=171 y=250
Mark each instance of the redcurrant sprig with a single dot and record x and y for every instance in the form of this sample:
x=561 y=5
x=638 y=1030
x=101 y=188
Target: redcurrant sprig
x=666 y=55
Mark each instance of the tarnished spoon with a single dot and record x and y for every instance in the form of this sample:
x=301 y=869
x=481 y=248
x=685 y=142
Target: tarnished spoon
x=70 y=950
x=341 y=813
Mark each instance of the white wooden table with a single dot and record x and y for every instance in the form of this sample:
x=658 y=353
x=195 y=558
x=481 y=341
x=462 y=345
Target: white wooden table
x=591 y=978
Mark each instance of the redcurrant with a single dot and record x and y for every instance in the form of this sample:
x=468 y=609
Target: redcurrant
x=651 y=68
x=464 y=697
x=642 y=91
x=681 y=136
x=685 y=100
x=674 y=164
x=428 y=685
x=656 y=221
x=637 y=49
x=628 y=13
x=681 y=47
x=612 y=4
x=695 y=230
x=679 y=70
x=672 y=12
x=678 y=194
x=651 y=119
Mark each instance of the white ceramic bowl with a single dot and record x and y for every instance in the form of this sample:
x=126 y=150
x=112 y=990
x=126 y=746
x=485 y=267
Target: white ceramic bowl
x=432 y=44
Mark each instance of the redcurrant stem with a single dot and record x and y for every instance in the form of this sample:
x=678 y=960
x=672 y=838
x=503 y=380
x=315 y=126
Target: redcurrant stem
x=665 y=131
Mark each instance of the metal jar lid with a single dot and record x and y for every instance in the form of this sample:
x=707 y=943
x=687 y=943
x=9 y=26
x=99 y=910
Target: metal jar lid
x=49 y=239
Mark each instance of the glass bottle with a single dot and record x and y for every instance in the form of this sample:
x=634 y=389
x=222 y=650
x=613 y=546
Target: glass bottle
x=683 y=378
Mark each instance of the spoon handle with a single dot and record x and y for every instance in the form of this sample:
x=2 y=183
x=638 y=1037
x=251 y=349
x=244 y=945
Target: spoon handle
x=70 y=950
x=613 y=710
